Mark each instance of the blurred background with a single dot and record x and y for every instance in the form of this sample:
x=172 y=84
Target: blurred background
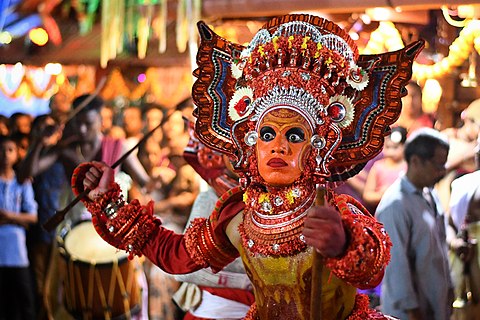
x=146 y=48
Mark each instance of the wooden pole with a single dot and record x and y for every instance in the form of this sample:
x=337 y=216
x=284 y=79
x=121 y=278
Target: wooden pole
x=317 y=268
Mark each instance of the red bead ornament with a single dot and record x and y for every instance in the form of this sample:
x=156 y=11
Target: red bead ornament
x=129 y=227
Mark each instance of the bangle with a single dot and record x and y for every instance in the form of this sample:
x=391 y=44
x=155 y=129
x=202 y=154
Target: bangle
x=112 y=208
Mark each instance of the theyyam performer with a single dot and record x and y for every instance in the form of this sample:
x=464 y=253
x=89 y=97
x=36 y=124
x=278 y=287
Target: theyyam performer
x=296 y=110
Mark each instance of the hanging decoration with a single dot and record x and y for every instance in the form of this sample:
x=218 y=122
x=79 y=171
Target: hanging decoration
x=86 y=13
x=166 y=86
x=134 y=22
x=24 y=82
x=160 y=27
x=115 y=86
x=143 y=26
x=31 y=83
x=459 y=51
x=112 y=26
x=385 y=38
x=188 y=13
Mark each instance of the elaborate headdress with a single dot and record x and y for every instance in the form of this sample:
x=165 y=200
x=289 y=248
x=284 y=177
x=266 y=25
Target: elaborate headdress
x=310 y=65
x=208 y=163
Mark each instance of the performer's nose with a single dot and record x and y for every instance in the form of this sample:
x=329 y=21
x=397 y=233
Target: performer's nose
x=280 y=145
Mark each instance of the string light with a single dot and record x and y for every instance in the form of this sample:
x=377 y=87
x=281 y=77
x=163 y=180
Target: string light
x=53 y=68
x=38 y=36
x=5 y=37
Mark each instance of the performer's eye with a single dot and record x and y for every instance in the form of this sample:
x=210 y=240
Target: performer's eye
x=295 y=135
x=267 y=134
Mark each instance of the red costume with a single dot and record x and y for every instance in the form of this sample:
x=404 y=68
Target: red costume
x=296 y=109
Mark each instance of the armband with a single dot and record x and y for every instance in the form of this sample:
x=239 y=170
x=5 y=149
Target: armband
x=368 y=250
x=204 y=249
x=126 y=226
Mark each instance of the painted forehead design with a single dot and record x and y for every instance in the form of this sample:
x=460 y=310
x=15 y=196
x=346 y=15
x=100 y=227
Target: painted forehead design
x=285 y=115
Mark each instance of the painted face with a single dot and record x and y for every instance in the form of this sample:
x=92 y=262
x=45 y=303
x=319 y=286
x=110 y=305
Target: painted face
x=284 y=142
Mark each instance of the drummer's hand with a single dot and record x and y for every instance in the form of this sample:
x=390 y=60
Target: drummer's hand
x=52 y=134
x=324 y=231
x=98 y=178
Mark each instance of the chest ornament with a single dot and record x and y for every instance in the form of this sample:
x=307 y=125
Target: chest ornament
x=273 y=219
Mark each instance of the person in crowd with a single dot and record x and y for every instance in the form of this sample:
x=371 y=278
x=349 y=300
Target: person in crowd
x=175 y=136
x=413 y=117
x=60 y=107
x=182 y=190
x=87 y=144
x=108 y=114
x=186 y=107
x=153 y=116
x=287 y=110
x=23 y=142
x=463 y=140
x=161 y=285
x=417 y=283
x=48 y=187
x=4 y=130
x=20 y=122
x=133 y=125
x=156 y=163
x=386 y=170
x=464 y=210
x=18 y=210
x=461 y=157
x=109 y=126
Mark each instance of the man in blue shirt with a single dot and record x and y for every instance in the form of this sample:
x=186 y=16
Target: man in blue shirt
x=417 y=282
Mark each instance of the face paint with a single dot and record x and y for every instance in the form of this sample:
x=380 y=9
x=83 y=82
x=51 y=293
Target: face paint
x=283 y=143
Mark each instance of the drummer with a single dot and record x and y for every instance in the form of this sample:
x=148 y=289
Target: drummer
x=82 y=140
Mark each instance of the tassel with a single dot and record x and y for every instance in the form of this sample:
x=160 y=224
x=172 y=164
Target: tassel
x=162 y=30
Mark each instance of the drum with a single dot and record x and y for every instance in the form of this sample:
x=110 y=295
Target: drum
x=99 y=280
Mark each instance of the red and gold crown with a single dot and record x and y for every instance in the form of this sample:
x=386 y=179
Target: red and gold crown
x=307 y=64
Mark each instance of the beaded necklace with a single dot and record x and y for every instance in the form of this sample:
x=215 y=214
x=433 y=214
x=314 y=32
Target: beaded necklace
x=273 y=220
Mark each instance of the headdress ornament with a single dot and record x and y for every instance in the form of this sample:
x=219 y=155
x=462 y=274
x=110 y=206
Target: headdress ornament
x=310 y=65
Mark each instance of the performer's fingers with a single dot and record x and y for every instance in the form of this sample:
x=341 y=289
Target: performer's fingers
x=100 y=165
x=92 y=176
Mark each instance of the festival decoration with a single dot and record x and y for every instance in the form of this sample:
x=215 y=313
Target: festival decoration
x=386 y=36
x=28 y=83
x=134 y=22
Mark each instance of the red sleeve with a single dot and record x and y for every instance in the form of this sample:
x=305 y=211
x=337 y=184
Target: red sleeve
x=205 y=243
x=167 y=250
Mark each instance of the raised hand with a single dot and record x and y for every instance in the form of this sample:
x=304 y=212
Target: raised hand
x=98 y=179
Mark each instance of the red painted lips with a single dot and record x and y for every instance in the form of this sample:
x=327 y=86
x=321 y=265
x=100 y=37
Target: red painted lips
x=276 y=163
